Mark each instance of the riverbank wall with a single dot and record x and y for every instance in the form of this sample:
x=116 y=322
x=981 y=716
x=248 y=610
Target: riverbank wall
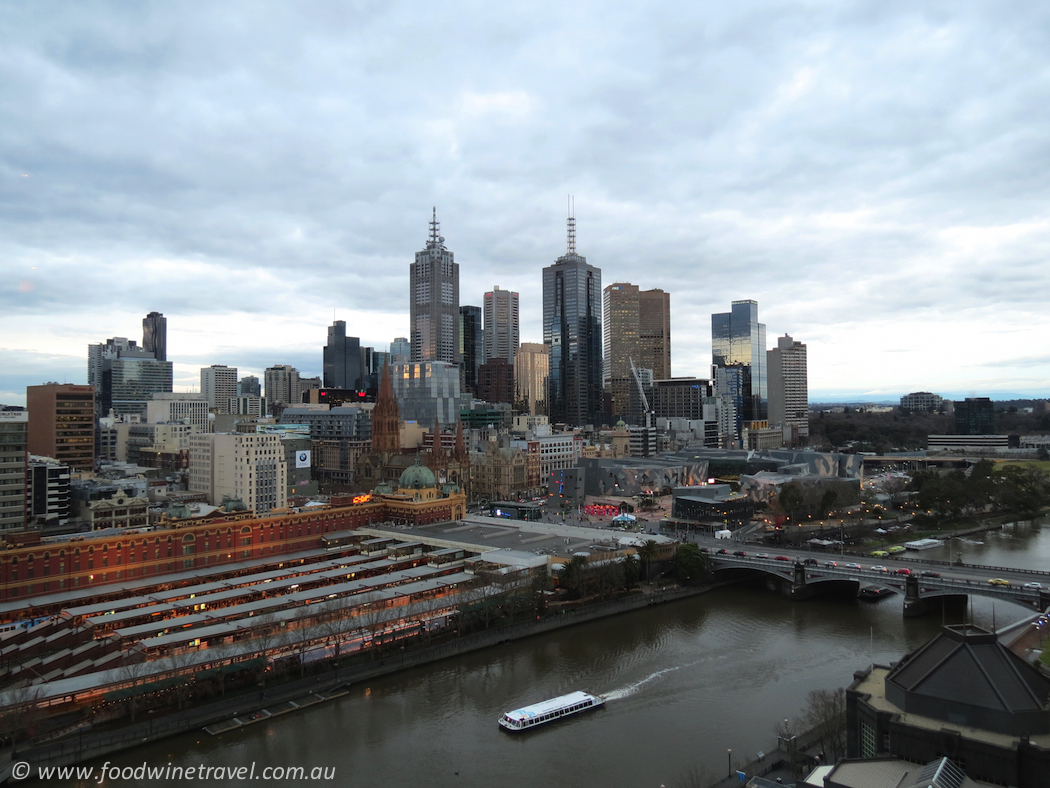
x=88 y=744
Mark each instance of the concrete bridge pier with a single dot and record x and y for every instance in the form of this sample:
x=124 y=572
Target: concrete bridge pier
x=799 y=588
x=914 y=605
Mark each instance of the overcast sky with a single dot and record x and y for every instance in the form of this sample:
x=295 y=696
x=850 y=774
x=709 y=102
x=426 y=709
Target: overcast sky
x=874 y=174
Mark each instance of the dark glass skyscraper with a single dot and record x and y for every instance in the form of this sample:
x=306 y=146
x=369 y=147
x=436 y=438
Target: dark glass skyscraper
x=738 y=341
x=572 y=327
x=155 y=335
x=471 y=346
x=343 y=359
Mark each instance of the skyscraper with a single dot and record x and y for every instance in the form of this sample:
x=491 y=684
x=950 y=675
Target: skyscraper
x=788 y=389
x=572 y=327
x=471 y=346
x=218 y=385
x=401 y=349
x=738 y=340
x=343 y=359
x=637 y=327
x=501 y=324
x=281 y=383
x=13 y=465
x=62 y=423
x=434 y=301
x=155 y=335
x=531 y=373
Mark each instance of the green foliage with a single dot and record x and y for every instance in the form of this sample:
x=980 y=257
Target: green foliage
x=1016 y=488
x=790 y=499
x=690 y=564
x=647 y=552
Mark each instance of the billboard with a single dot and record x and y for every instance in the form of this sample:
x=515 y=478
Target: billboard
x=302 y=459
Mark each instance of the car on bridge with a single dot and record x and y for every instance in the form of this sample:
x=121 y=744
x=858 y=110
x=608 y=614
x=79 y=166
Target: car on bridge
x=903 y=571
x=723 y=551
x=810 y=562
x=879 y=568
x=739 y=553
x=761 y=555
x=1033 y=585
x=781 y=558
x=854 y=566
x=929 y=574
x=998 y=581
x=830 y=564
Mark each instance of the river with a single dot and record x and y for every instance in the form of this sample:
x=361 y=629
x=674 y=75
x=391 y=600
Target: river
x=687 y=681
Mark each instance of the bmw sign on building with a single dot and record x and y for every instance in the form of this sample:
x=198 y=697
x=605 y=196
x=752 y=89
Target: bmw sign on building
x=302 y=459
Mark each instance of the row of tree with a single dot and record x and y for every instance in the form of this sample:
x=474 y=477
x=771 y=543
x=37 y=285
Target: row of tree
x=983 y=487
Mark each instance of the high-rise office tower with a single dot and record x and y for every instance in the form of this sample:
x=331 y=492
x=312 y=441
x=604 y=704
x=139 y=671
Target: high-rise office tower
x=281 y=383
x=62 y=423
x=788 y=389
x=738 y=341
x=344 y=366
x=249 y=387
x=155 y=335
x=572 y=327
x=471 y=346
x=218 y=384
x=501 y=324
x=531 y=373
x=13 y=465
x=125 y=377
x=434 y=305
x=637 y=327
x=401 y=350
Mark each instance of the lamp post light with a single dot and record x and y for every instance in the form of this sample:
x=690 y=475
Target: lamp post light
x=729 y=761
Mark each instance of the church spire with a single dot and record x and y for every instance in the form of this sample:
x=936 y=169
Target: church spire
x=386 y=417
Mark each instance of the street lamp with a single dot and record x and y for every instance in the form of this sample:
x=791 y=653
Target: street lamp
x=729 y=761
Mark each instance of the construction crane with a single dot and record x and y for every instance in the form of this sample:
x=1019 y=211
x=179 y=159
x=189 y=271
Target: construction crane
x=646 y=410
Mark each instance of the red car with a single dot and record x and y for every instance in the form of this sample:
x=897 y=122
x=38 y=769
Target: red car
x=903 y=572
x=781 y=558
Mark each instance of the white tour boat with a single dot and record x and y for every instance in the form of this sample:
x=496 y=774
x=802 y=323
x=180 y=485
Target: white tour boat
x=549 y=711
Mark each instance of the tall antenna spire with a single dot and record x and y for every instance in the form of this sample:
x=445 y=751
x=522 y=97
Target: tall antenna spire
x=571 y=222
x=435 y=236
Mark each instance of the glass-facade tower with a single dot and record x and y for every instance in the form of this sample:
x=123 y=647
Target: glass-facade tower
x=572 y=328
x=738 y=340
x=343 y=359
x=471 y=346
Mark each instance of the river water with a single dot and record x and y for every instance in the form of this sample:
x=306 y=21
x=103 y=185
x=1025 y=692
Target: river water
x=687 y=681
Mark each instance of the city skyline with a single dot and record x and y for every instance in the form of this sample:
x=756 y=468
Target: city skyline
x=864 y=172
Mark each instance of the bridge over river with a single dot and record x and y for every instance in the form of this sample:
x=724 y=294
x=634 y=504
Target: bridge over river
x=803 y=574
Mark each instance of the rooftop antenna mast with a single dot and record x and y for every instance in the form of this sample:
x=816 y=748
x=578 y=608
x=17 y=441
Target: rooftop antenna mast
x=435 y=236
x=572 y=225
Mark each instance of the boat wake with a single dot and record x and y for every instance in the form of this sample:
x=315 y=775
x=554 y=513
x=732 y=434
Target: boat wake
x=630 y=689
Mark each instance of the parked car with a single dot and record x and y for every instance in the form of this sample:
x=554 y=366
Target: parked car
x=903 y=571
x=930 y=574
x=998 y=581
x=1033 y=585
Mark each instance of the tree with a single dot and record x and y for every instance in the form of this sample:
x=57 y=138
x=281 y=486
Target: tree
x=826 y=714
x=573 y=575
x=790 y=500
x=690 y=563
x=631 y=570
x=647 y=552
x=827 y=502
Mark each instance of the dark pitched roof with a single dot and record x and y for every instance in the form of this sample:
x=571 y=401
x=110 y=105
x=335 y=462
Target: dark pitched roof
x=969 y=664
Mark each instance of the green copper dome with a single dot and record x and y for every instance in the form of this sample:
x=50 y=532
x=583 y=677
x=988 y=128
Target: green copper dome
x=383 y=488
x=417 y=477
